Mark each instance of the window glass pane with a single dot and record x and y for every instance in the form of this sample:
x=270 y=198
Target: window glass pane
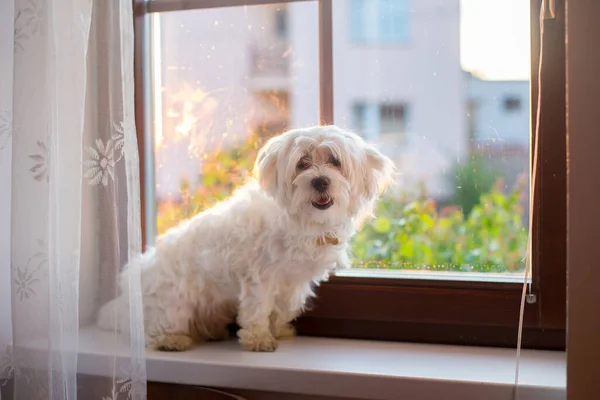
x=441 y=86
x=450 y=104
x=227 y=79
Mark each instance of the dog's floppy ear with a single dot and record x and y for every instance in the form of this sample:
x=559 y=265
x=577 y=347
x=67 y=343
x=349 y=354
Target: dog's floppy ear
x=265 y=166
x=378 y=172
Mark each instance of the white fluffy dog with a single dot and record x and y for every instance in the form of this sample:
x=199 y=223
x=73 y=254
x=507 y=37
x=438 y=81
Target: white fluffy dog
x=258 y=255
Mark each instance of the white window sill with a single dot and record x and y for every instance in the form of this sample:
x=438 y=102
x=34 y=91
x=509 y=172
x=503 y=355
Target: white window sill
x=350 y=368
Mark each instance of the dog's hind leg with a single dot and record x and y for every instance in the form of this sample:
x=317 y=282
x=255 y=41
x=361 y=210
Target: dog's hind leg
x=171 y=342
x=170 y=330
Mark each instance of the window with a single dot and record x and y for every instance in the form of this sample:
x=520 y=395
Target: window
x=392 y=119
x=272 y=111
x=512 y=104
x=379 y=21
x=471 y=118
x=380 y=122
x=359 y=119
x=437 y=241
x=281 y=24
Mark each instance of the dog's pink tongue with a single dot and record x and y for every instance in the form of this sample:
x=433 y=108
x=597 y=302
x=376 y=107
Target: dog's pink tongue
x=322 y=201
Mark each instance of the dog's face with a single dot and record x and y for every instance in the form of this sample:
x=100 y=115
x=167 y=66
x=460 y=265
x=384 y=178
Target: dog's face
x=323 y=174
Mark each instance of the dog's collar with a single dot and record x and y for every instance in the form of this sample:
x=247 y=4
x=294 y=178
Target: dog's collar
x=326 y=239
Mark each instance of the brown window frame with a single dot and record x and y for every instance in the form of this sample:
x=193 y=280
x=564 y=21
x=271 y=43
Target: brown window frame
x=427 y=310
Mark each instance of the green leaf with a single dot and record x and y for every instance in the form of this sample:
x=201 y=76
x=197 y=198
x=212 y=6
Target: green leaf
x=382 y=225
x=406 y=249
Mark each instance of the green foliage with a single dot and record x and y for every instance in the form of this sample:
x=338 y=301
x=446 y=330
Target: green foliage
x=222 y=172
x=470 y=179
x=405 y=234
x=414 y=235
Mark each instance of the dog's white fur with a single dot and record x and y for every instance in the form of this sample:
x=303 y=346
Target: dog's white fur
x=256 y=256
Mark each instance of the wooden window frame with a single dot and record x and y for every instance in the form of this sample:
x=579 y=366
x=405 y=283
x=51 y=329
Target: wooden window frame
x=427 y=310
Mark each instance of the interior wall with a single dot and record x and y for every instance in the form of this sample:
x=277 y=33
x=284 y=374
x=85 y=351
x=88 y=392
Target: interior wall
x=583 y=199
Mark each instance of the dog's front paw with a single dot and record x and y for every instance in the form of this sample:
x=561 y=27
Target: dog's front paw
x=257 y=341
x=285 y=331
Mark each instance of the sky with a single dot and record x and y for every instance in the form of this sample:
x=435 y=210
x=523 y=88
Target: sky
x=495 y=38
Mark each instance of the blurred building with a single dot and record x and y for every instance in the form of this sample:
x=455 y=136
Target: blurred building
x=228 y=72
x=499 y=111
x=499 y=125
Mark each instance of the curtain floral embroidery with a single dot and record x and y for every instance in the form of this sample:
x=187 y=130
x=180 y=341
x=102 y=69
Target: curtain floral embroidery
x=104 y=156
x=75 y=199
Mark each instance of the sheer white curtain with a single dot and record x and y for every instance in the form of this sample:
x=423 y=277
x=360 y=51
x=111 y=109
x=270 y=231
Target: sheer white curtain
x=74 y=195
x=6 y=68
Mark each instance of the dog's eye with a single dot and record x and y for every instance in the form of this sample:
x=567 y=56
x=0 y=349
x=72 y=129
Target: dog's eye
x=335 y=162
x=303 y=164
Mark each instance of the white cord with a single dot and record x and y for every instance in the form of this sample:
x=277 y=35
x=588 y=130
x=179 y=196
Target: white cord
x=528 y=255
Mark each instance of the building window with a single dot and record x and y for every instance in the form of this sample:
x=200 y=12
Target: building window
x=375 y=121
x=358 y=118
x=281 y=22
x=512 y=104
x=378 y=21
x=392 y=119
x=271 y=113
x=471 y=125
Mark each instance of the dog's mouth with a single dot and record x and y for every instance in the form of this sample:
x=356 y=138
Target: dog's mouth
x=323 y=202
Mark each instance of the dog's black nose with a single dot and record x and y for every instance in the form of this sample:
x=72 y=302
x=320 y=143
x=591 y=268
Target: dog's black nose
x=320 y=184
